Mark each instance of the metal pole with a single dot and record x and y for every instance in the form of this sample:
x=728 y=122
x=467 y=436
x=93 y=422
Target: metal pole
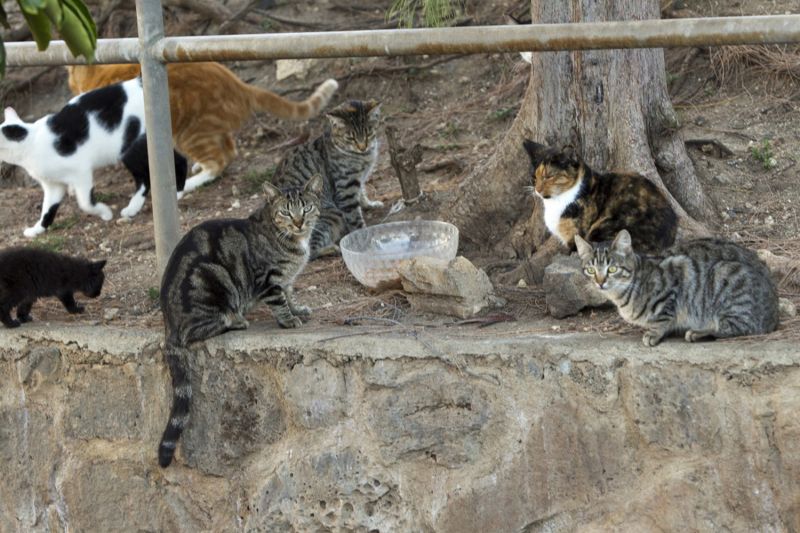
x=771 y=29
x=483 y=39
x=159 y=130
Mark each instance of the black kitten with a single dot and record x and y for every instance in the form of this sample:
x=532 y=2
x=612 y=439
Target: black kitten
x=30 y=273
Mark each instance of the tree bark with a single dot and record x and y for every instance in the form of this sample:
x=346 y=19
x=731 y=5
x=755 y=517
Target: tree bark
x=612 y=105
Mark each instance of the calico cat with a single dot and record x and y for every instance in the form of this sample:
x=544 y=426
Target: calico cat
x=208 y=104
x=27 y=274
x=580 y=201
x=95 y=129
x=346 y=154
x=700 y=288
x=219 y=270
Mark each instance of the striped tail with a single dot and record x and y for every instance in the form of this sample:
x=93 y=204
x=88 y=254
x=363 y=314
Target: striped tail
x=264 y=100
x=177 y=358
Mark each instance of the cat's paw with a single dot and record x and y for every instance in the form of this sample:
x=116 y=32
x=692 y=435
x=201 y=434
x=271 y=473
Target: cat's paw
x=197 y=167
x=24 y=318
x=104 y=212
x=651 y=338
x=76 y=309
x=302 y=311
x=128 y=212
x=180 y=194
x=331 y=249
x=11 y=323
x=33 y=231
x=371 y=204
x=293 y=322
x=696 y=336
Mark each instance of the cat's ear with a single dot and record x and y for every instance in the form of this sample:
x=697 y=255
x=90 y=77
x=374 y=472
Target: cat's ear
x=585 y=250
x=97 y=266
x=569 y=156
x=314 y=185
x=271 y=191
x=373 y=107
x=535 y=151
x=622 y=243
x=10 y=115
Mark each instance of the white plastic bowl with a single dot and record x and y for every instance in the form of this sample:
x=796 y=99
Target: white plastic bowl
x=371 y=254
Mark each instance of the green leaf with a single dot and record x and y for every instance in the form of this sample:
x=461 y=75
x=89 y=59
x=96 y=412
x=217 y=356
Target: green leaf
x=31 y=6
x=80 y=9
x=40 y=28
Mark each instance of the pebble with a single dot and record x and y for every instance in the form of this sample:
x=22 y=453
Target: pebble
x=110 y=313
x=769 y=221
x=521 y=283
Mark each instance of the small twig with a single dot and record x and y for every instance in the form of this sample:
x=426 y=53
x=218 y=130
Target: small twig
x=455 y=164
x=291 y=142
x=487 y=320
x=404 y=162
x=297 y=23
x=237 y=16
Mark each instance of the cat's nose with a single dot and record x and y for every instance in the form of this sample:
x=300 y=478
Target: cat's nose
x=600 y=281
x=298 y=223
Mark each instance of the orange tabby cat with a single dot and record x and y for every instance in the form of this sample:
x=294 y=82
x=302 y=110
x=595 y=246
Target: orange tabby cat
x=208 y=104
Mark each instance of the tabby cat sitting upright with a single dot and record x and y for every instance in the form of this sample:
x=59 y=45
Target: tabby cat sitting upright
x=345 y=154
x=61 y=151
x=580 y=201
x=208 y=104
x=27 y=274
x=219 y=270
x=702 y=288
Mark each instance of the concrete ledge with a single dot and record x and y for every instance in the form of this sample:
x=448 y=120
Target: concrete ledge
x=447 y=430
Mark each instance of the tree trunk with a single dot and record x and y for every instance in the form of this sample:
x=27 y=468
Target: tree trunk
x=612 y=105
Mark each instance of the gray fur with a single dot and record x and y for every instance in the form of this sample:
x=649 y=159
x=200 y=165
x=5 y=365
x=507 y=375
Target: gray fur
x=345 y=155
x=219 y=270
x=700 y=288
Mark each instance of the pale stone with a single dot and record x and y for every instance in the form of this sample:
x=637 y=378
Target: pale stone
x=455 y=288
x=285 y=68
x=567 y=289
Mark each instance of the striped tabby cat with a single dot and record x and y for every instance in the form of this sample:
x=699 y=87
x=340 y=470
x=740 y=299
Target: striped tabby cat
x=700 y=288
x=345 y=154
x=219 y=270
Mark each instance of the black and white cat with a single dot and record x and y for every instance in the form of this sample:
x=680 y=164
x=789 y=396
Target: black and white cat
x=94 y=129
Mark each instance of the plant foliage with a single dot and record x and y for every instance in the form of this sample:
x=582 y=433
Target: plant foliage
x=70 y=18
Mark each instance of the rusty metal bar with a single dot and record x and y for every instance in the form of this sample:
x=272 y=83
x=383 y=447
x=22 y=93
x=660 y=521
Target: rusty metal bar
x=769 y=29
x=483 y=39
x=159 y=130
x=25 y=54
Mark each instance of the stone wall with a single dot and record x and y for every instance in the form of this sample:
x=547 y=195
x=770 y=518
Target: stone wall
x=295 y=431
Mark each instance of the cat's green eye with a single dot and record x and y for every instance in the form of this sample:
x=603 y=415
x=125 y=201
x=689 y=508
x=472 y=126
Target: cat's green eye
x=590 y=270
x=284 y=213
x=612 y=269
x=308 y=208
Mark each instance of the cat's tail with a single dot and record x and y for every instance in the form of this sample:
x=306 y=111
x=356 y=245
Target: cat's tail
x=268 y=101
x=177 y=358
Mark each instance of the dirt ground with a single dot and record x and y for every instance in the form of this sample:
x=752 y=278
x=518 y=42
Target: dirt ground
x=742 y=126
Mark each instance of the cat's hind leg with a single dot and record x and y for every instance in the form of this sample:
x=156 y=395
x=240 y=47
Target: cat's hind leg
x=84 y=194
x=5 y=316
x=24 y=311
x=53 y=194
x=212 y=152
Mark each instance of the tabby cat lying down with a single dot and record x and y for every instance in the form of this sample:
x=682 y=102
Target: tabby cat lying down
x=702 y=288
x=208 y=104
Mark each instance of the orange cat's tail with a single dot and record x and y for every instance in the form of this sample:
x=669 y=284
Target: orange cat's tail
x=264 y=100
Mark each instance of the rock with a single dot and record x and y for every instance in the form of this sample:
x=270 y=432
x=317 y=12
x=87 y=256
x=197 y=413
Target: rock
x=286 y=68
x=787 y=308
x=110 y=313
x=567 y=290
x=455 y=288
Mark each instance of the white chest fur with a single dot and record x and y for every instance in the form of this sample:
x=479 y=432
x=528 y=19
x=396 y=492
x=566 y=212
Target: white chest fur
x=555 y=206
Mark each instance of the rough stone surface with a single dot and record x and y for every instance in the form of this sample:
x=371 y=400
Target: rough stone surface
x=567 y=290
x=306 y=430
x=456 y=288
